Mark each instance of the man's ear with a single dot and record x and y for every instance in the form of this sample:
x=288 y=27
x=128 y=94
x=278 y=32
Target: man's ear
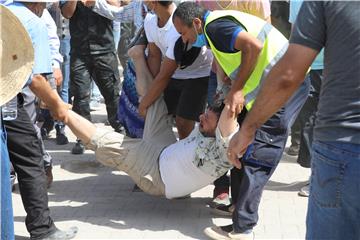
x=197 y=22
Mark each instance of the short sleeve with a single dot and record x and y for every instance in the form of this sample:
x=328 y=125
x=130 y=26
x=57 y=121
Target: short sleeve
x=173 y=37
x=148 y=27
x=222 y=33
x=310 y=29
x=223 y=142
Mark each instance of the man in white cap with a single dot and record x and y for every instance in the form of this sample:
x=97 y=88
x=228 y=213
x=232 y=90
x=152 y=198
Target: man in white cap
x=24 y=149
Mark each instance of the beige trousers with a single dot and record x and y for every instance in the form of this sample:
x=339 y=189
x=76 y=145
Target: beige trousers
x=139 y=158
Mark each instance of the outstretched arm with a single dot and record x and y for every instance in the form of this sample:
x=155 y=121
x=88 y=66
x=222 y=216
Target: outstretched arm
x=284 y=79
x=81 y=127
x=227 y=122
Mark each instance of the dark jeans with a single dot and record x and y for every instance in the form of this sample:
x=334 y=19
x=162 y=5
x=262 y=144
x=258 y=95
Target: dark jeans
x=261 y=160
x=103 y=69
x=25 y=155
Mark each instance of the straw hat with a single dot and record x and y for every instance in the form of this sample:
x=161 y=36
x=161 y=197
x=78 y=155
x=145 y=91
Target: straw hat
x=16 y=53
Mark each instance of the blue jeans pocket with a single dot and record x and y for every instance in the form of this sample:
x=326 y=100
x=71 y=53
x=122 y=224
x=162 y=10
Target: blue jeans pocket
x=327 y=179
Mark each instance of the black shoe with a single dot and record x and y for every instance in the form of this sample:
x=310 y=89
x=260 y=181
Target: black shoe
x=78 y=148
x=46 y=128
x=61 y=138
x=293 y=150
x=60 y=235
x=224 y=210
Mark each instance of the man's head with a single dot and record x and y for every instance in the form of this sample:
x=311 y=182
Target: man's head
x=188 y=21
x=209 y=120
x=36 y=6
x=156 y=5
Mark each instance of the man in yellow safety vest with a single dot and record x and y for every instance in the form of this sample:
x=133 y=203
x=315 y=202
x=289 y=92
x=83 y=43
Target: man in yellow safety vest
x=246 y=48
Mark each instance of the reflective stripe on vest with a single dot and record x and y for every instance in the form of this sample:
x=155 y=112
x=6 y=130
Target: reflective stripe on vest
x=274 y=46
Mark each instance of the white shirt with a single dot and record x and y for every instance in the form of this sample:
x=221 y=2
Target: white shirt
x=194 y=162
x=165 y=38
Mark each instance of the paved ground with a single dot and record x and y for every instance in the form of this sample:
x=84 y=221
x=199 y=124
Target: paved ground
x=100 y=202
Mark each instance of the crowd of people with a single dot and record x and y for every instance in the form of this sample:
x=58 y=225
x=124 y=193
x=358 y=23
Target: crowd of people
x=224 y=73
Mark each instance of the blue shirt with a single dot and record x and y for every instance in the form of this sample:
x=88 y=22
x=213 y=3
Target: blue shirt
x=39 y=37
x=295 y=6
x=223 y=33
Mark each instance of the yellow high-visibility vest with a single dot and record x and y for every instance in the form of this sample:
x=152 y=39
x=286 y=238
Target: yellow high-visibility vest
x=274 y=46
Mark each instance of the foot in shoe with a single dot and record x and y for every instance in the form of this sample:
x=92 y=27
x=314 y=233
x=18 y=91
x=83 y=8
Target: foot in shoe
x=78 y=148
x=218 y=232
x=61 y=139
x=62 y=235
x=224 y=210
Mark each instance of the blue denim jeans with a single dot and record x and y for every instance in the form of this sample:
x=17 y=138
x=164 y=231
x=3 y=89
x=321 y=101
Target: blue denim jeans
x=7 y=222
x=65 y=68
x=261 y=160
x=334 y=202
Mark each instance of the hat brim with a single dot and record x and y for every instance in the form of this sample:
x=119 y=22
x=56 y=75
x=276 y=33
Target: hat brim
x=17 y=55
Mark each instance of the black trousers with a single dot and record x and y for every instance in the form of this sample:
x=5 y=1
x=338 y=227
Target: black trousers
x=25 y=155
x=103 y=69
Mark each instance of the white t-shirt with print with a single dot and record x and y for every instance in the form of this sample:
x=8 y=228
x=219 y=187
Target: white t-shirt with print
x=165 y=38
x=193 y=163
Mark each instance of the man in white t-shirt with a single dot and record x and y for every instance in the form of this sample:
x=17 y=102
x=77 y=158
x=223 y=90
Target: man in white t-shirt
x=185 y=90
x=158 y=163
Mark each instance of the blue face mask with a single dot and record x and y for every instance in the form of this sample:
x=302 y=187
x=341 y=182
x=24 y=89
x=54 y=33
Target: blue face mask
x=200 y=40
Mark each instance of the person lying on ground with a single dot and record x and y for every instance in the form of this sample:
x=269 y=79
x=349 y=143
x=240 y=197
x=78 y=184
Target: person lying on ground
x=158 y=163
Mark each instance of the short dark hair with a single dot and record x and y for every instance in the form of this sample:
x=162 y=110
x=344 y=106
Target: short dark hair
x=217 y=108
x=187 y=11
x=165 y=3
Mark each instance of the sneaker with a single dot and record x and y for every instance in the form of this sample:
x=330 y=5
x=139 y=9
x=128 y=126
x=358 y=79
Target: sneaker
x=49 y=176
x=224 y=210
x=220 y=197
x=78 y=148
x=61 y=138
x=304 y=191
x=226 y=232
x=293 y=150
x=242 y=236
x=60 y=235
x=218 y=232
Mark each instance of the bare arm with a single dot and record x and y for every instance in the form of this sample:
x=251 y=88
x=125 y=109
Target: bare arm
x=284 y=79
x=227 y=124
x=159 y=84
x=250 y=48
x=154 y=59
x=68 y=9
x=81 y=127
